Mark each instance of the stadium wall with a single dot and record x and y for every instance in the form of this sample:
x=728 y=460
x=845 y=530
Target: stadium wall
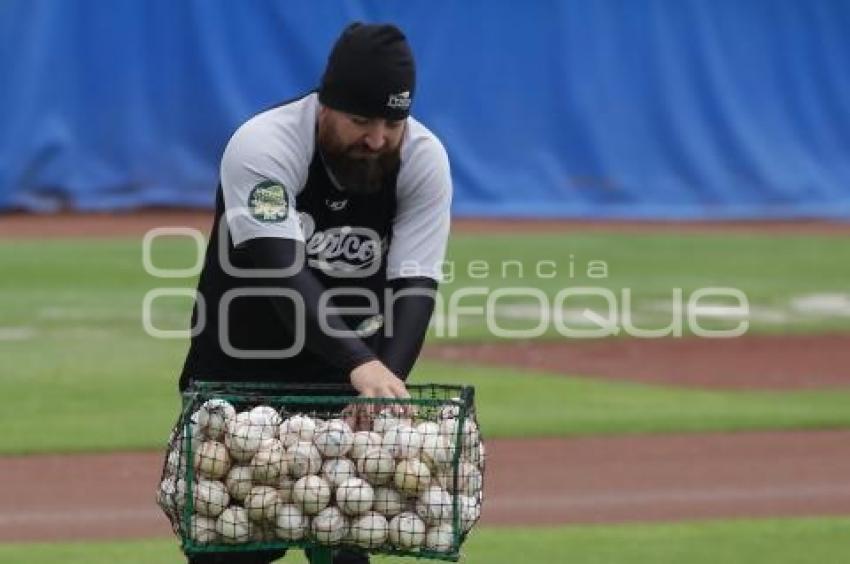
x=581 y=108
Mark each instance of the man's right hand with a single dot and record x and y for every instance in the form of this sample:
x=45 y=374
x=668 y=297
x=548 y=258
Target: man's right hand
x=373 y=379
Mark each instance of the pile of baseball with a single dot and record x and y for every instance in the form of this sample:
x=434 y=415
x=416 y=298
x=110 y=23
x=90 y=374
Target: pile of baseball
x=262 y=477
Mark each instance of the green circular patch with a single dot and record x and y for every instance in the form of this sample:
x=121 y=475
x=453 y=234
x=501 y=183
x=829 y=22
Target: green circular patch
x=268 y=202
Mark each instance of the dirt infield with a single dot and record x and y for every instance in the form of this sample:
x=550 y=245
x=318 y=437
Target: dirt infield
x=582 y=480
x=757 y=362
x=21 y=226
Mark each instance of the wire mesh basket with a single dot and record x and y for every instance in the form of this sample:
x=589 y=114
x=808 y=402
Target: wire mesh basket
x=258 y=466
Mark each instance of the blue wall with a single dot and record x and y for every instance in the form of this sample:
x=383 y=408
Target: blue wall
x=580 y=108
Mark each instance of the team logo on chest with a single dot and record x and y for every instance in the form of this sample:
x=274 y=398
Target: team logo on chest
x=342 y=251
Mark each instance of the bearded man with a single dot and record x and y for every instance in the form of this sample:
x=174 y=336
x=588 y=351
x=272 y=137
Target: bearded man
x=331 y=223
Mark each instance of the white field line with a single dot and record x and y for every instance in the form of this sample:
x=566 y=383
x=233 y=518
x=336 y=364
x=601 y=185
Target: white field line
x=16 y=333
x=822 y=305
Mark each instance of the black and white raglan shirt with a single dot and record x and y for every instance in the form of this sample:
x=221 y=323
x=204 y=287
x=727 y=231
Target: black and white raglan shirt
x=276 y=200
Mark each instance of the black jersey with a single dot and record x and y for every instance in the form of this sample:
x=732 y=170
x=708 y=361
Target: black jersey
x=274 y=184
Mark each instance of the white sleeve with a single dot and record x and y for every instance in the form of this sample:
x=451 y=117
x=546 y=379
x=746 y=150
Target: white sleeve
x=421 y=224
x=261 y=172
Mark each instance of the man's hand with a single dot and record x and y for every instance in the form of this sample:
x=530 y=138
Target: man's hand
x=374 y=380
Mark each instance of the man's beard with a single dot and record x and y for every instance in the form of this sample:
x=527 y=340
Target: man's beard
x=356 y=173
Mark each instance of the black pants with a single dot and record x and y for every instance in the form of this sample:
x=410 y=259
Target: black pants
x=267 y=556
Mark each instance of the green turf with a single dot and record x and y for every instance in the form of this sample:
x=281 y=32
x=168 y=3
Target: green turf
x=86 y=377
x=774 y=541
x=770 y=269
x=129 y=402
x=518 y=405
x=53 y=284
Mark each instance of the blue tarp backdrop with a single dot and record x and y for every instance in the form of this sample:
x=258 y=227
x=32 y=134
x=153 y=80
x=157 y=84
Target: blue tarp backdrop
x=579 y=108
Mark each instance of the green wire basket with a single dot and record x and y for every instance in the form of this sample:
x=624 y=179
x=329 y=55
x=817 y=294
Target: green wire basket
x=260 y=466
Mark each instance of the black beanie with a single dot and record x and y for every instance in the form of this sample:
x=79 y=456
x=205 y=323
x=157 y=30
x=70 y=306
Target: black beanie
x=370 y=72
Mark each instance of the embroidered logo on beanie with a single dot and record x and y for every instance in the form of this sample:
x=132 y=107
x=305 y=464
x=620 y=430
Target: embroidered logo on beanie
x=400 y=101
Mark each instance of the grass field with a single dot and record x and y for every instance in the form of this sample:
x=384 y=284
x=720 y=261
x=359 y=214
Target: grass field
x=772 y=270
x=775 y=541
x=131 y=403
x=86 y=377
x=91 y=286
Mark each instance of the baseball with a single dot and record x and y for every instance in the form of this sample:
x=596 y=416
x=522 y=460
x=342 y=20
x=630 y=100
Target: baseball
x=470 y=511
x=290 y=522
x=450 y=411
x=440 y=538
x=165 y=494
x=407 y=530
x=434 y=505
x=268 y=464
x=402 y=441
x=363 y=441
x=196 y=434
x=427 y=428
x=286 y=460
x=242 y=438
x=448 y=428
x=369 y=531
x=385 y=420
x=311 y=493
x=213 y=416
x=354 y=496
x=469 y=479
x=470 y=436
x=260 y=421
x=472 y=479
x=330 y=526
x=210 y=498
x=297 y=428
x=202 y=529
x=388 y=502
x=377 y=465
x=261 y=503
x=173 y=462
x=412 y=476
x=477 y=455
x=334 y=439
x=305 y=459
x=267 y=417
x=212 y=460
x=178 y=435
x=284 y=489
x=180 y=494
x=239 y=481
x=233 y=525
x=337 y=470
x=436 y=450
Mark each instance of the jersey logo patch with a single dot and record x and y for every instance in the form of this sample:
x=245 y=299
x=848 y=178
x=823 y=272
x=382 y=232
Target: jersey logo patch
x=268 y=202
